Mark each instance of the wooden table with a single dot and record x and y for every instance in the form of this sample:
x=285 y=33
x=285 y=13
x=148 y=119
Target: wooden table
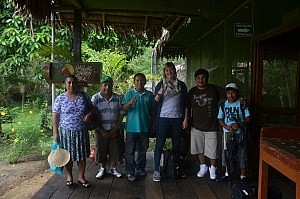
x=279 y=148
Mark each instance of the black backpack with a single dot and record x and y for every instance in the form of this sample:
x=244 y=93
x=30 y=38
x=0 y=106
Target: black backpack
x=250 y=191
x=171 y=165
x=244 y=191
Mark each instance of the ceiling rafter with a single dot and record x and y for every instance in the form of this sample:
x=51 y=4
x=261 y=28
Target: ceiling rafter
x=184 y=20
x=124 y=12
x=141 y=16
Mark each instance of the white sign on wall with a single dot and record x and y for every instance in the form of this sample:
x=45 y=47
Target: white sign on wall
x=243 y=30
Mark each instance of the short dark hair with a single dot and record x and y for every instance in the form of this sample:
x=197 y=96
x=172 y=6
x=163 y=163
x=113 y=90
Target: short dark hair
x=201 y=71
x=140 y=75
x=71 y=76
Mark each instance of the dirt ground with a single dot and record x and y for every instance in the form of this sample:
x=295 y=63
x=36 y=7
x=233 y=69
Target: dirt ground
x=23 y=180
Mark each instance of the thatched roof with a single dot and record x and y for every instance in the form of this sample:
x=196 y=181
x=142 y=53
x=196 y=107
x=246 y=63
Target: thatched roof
x=139 y=16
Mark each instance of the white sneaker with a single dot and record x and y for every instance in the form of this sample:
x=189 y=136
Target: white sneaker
x=131 y=177
x=100 y=174
x=212 y=172
x=114 y=172
x=202 y=171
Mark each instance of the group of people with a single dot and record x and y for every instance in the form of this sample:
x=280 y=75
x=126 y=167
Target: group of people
x=208 y=110
x=172 y=108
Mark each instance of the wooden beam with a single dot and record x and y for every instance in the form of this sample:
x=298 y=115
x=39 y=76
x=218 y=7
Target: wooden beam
x=103 y=20
x=146 y=23
x=125 y=12
x=184 y=20
x=77 y=35
x=165 y=21
x=174 y=23
x=78 y=5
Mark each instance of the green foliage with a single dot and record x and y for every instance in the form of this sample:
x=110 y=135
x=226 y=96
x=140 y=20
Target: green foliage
x=7 y=115
x=25 y=46
x=61 y=49
x=45 y=114
x=143 y=62
x=280 y=82
x=114 y=65
x=152 y=142
x=20 y=68
x=18 y=46
x=61 y=52
x=28 y=134
x=120 y=69
x=130 y=45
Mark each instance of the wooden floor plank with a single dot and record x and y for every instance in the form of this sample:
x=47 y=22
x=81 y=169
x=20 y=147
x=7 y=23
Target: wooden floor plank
x=170 y=189
x=220 y=189
x=102 y=188
x=201 y=188
x=118 y=188
x=63 y=191
x=81 y=192
x=145 y=188
x=185 y=189
x=152 y=189
x=49 y=188
x=136 y=189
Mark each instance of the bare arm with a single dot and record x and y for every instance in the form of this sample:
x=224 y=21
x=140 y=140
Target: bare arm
x=117 y=127
x=229 y=128
x=87 y=117
x=55 y=120
x=186 y=118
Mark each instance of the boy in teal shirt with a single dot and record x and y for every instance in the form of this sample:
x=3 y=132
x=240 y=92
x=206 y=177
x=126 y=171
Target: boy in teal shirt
x=137 y=102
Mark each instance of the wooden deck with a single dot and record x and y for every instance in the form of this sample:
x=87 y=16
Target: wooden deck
x=143 y=188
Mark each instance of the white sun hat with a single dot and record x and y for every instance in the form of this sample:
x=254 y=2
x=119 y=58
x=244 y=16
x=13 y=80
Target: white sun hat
x=59 y=157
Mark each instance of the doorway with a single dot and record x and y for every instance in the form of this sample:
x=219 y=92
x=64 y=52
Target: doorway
x=275 y=96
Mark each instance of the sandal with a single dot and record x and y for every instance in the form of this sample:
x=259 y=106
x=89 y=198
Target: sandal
x=69 y=183
x=84 y=184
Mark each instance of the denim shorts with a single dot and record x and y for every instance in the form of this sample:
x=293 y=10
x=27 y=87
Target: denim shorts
x=240 y=150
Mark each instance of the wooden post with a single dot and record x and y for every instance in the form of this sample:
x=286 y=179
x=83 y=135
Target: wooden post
x=77 y=35
x=52 y=57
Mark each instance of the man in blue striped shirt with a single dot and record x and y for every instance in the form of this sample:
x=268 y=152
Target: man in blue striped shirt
x=107 y=136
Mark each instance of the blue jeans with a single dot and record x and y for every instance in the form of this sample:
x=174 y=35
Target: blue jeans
x=167 y=127
x=136 y=142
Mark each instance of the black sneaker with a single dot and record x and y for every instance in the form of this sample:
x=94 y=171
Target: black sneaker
x=140 y=173
x=244 y=180
x=183 y=175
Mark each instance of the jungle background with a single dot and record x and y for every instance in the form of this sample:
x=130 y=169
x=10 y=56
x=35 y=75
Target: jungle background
x=25 y=96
